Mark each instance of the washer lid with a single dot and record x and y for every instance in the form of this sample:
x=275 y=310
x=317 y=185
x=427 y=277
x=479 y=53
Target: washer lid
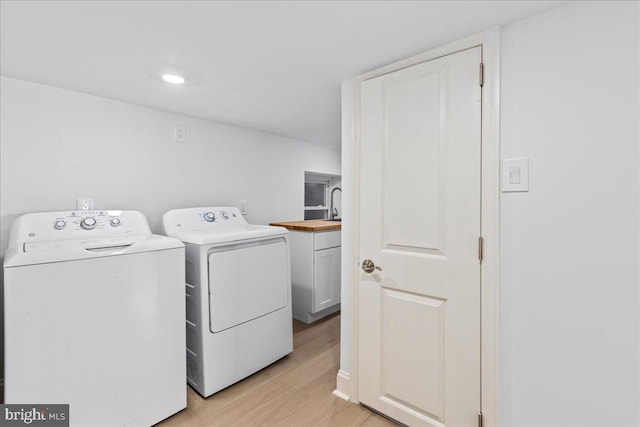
x=72 y=235
x=228 y=234
x=47 y=252
x=89 y=245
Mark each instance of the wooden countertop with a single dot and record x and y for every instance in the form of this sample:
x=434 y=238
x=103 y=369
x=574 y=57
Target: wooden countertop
x=310 y=225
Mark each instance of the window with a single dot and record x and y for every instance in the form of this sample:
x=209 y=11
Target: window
x=317 y=187
x=315 y=214
x=315 y=200
x=315 y=194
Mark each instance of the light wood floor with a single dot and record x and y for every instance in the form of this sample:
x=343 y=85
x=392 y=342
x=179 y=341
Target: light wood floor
x=295 y=391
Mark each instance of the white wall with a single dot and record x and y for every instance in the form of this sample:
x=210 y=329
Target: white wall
x=570 y=246
x=57 y=145
x=570 y=253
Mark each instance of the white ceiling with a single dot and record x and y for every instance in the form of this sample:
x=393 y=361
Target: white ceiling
x=269 y=65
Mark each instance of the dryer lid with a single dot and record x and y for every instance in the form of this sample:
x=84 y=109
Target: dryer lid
x=229 y=234
x=212 y=225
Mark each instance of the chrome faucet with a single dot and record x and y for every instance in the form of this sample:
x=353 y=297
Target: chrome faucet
x=334 y=211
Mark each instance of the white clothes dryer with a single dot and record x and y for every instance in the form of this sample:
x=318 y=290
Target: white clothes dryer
x=238 y=295
x=94 y=317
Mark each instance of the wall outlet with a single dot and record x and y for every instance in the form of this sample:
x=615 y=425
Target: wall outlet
x=84 y=204
x=243 y=207
x=180 y=133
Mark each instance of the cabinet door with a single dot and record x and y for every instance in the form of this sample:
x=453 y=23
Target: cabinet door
x=337 y=276
x=326 y=277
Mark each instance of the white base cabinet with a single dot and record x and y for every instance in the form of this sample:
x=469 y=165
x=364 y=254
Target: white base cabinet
x=315 y=274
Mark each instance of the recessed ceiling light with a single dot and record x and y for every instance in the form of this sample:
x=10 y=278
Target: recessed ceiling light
x=173 y=78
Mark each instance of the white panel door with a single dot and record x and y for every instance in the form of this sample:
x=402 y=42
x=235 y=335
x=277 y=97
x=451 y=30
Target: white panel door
x=419 y=348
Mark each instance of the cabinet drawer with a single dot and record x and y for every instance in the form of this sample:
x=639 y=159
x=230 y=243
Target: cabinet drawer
x=328 y=239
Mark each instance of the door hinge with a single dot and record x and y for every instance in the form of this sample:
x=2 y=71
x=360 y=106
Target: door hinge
x=481 y=74
x=480 y=248
x=480 y=420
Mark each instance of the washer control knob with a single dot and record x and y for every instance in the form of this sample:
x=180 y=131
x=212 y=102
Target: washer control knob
x=89 y=223
x=225 y=215
x=209 y=216
x=59 y=224
x=114 y=222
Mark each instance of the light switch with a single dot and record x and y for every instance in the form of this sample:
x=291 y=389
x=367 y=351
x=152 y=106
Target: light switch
x=515 y=175
x=180 y=133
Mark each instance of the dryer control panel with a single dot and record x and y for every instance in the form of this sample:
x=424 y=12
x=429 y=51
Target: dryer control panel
x=49 y=226
x=202 y=218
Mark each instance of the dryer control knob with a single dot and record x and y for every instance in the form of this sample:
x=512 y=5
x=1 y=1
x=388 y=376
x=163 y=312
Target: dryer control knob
x=225 y=215
x=60 y=224
x=209 y=216
x=88 y=223
x=114 y=222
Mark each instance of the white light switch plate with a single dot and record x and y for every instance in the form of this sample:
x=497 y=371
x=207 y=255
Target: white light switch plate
x=180 y=133
x=515 y=175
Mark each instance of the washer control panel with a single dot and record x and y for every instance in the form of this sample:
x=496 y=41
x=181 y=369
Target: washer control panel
x=88 y=220
x=50 y=226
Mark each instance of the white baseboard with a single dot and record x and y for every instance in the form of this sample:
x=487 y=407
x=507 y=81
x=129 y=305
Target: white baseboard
x=342 y=385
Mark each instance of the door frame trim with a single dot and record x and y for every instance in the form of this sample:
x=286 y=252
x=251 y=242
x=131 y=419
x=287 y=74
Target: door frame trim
x=490 y=221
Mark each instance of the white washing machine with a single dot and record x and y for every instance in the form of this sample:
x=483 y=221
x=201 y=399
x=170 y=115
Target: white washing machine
x=94 y=317
x=238 y=295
